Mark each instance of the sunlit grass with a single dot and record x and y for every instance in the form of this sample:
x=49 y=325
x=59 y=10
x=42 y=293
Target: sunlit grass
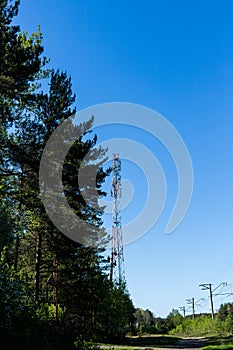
x=218 y=347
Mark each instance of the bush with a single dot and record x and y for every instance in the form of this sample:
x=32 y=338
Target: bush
x=203 y=326
x=47 y=312
x=82 y=344
x=15 y=297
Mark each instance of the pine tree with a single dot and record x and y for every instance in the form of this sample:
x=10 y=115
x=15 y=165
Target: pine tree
x=28 y=118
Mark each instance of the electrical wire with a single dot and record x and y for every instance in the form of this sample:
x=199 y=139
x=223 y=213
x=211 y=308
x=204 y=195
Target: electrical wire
x=223 y=267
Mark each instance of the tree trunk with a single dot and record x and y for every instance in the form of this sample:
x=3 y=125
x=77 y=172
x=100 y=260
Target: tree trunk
x=17 y=243
x=16 y=252
x=38 y=266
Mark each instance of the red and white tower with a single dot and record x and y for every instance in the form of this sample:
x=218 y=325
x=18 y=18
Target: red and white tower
x=117 y=271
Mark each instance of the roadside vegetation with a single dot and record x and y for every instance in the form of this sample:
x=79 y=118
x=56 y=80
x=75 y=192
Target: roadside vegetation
x=203 y=325
x=219 y=342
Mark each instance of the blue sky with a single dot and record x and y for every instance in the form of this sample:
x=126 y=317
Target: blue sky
x=175 y=57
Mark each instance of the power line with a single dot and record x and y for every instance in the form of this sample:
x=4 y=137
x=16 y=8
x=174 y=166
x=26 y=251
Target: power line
x=201 y=305
x=226 y=264
x=225 y=292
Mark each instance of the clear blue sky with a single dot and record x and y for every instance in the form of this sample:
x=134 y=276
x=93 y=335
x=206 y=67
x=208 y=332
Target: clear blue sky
x=175 y=57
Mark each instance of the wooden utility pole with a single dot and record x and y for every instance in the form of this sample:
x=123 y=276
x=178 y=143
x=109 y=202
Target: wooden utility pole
x=182 y=308
x=191 y=301
x=208 y=286
x=211 y=301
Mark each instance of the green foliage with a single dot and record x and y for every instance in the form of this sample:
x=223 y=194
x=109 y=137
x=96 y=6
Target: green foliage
x=47 y=312
x=82 y=344
x=20 y=57
x=7 y=226
x=118 y=312
x=89 y=305
x=218 y=342
x=174 y=319
x=218 y=347
x=203 y=325
x=144 y=321
x=14 y=295
x=225 y=317
x=160 y=326
x=225 y=312
x=199 y=327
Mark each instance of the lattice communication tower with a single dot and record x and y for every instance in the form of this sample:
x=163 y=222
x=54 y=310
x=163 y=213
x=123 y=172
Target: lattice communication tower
x=117 y=271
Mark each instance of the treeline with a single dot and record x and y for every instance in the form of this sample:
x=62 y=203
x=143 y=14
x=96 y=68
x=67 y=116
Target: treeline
x=147 y=323
x=54 y=292
x=176 y=324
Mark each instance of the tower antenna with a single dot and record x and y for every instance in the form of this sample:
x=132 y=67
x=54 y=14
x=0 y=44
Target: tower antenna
x=117 y=271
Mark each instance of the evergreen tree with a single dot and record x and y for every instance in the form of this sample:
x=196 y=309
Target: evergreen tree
x=7 y=226
x=94 y=307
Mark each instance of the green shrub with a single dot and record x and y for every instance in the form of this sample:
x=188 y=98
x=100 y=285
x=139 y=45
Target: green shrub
x=203 y=325
x=47 y=312
x=82 y=344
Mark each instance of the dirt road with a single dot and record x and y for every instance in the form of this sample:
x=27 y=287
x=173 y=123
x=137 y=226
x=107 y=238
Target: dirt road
x=190 y=343
x=183 y=344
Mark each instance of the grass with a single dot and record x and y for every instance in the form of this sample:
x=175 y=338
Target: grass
x=117 y=347
x=219 y=343
x=218 y=347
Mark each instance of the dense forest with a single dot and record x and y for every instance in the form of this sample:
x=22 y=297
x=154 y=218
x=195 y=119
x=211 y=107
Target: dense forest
x=54 y=292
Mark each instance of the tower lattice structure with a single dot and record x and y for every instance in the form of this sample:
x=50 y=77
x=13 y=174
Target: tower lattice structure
x=117 y=271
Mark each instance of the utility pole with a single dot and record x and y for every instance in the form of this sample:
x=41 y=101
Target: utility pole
x=208 y=286
x=182 y=308
x=191 y=301
x=211 y=301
